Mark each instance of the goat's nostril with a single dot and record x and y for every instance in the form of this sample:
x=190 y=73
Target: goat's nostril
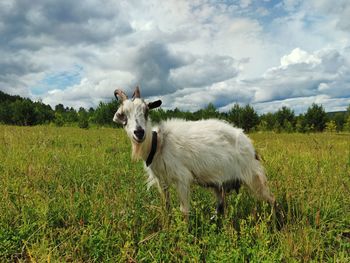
x=139 y=133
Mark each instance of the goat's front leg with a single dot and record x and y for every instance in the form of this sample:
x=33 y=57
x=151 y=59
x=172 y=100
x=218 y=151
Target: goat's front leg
x=163 y=188
x=167 y=200
x=183 y=190
x=166 y=206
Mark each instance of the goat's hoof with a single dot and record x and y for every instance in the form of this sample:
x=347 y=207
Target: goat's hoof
x=214 y=217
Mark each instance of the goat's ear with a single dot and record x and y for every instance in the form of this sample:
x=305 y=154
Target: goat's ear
x=137 y=93
x=154 y=104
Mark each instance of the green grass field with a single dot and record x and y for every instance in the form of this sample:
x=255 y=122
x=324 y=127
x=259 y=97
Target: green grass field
x=72 y=195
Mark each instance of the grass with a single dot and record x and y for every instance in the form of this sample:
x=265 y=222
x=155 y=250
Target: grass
x=72 y=195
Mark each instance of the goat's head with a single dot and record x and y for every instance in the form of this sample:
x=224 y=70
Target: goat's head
x=133 y=114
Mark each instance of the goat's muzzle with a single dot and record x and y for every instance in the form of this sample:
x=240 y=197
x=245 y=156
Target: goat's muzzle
x=139 y=135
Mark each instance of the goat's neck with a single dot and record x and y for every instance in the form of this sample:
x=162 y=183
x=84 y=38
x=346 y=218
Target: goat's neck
x=141 y=150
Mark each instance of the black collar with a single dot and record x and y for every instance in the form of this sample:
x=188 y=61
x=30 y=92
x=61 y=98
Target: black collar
x=153 y=149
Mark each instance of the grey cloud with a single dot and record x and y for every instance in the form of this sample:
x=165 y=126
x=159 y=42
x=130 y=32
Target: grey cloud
x=161 y=71
x=13 y=67
x=152 y=65
x=205 y=71
x=339 y=9
x=332 y=60
x=65 y=22
x=14 y=88
x=344 y=21
x=17 y=64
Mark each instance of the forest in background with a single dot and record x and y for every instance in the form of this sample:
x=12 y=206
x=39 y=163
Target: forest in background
x=15 y=110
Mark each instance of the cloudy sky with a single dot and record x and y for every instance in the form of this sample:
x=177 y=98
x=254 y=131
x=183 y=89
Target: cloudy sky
x=269 y=53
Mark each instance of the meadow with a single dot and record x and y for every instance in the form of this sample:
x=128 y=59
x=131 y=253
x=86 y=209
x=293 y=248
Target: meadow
x=73 y=195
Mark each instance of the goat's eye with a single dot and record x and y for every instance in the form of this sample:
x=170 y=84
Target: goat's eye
x=122 y=118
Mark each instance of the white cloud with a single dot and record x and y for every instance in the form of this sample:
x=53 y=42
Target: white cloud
x=298 y=56
x=302 y=74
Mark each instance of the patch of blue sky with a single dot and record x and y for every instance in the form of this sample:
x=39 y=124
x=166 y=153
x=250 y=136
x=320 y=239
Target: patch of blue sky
x=270 y=3
x=267 y=11
x=59 y=80
x=311 y=20
x=221 y=102
x=264 y=11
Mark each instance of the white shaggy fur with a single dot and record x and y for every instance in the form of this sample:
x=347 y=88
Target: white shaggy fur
x=207 y=152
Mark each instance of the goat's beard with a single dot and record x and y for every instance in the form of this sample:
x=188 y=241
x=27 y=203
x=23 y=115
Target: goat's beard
x=137 y=151
x=141 y=150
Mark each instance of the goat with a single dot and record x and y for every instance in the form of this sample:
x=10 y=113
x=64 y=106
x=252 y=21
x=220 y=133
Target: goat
x=209 y=153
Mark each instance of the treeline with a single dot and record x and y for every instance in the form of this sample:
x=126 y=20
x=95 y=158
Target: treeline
x=16 y=110
x=283 y=120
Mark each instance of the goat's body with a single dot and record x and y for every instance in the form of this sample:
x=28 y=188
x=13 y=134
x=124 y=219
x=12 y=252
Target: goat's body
x=207 y=152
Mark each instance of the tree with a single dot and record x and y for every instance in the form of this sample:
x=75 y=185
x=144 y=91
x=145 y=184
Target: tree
x=347 y=124
x=71 y=115
x=23 y=112
x=347 y=119
x=6 y=112
x=83 y=118
x=157 y=115
x=9 y=98
x=267 y=121
x=301 y=125
x=105 y=111
x=316 y=117
x=43 y=112
x=208 y=112
x=331 y=126
x=285 y=118
x=235 y=115
x=59 y=108
x=339 y=119
x=250 y=118
x=59 y=121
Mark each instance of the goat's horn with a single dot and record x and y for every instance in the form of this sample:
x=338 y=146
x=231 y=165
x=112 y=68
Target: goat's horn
x=119 y=93
x=137 y=93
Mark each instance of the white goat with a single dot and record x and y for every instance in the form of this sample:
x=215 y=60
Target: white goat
x=210 y=153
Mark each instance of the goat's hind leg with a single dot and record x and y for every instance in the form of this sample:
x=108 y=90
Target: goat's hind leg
x=220 y=197
x=220 y=192
x=220 y=206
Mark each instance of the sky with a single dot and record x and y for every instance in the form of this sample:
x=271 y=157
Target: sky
x=267 y=53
